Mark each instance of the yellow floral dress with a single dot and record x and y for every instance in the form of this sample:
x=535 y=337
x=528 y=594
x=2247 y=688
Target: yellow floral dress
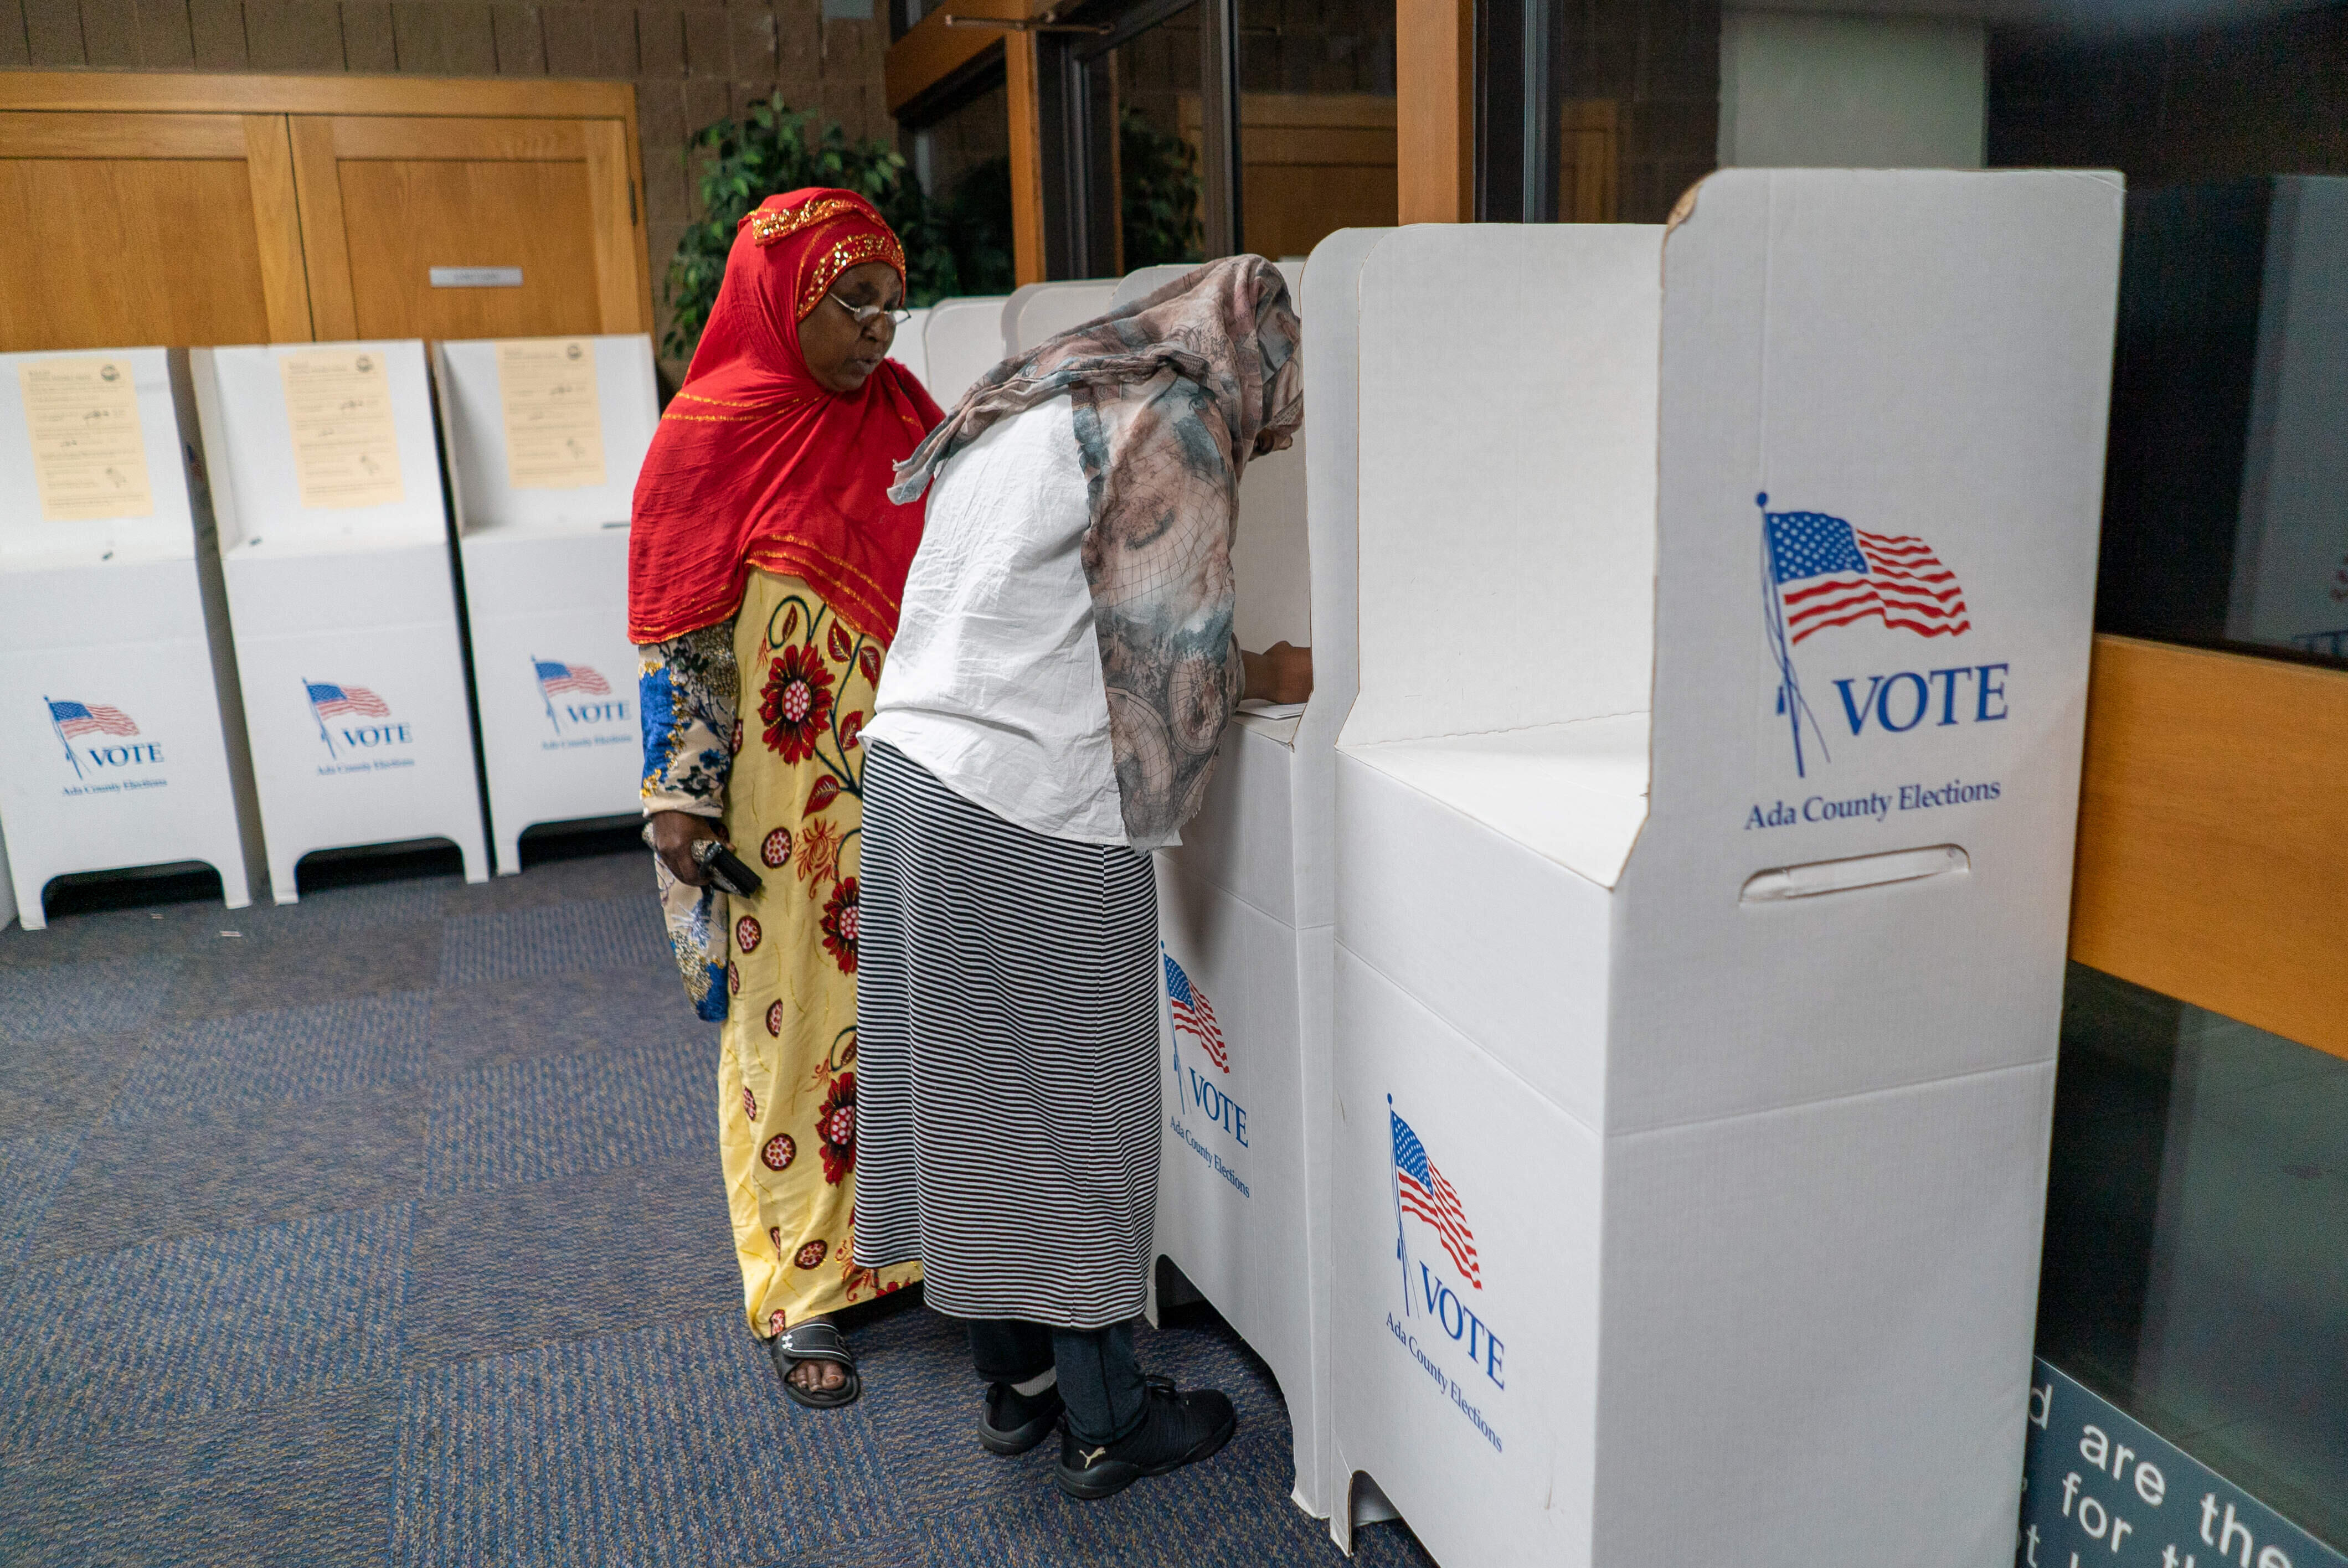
x=767 y=733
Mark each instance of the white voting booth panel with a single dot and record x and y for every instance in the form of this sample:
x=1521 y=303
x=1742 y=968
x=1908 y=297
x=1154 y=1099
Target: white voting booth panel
x=1703 y=865
x=1037 y=312
x=1245 y=906
x=544 y=437
x=961 y=340
x=909 y=347
x=335 y=544
x=111 y=690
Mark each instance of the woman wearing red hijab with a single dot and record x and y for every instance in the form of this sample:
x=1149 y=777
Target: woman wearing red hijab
x=765 y=565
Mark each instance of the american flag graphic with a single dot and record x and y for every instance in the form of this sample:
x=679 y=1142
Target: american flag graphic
x=1828 y=573
x=81 y=719
x=325 y=700
x=1194 y=1015
x=553 y=677
x=1422 y=1191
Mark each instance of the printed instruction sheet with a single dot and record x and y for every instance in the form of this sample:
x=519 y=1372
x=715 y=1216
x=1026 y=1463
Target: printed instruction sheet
x=345 y=446
x=88 y=460
x=554 y=425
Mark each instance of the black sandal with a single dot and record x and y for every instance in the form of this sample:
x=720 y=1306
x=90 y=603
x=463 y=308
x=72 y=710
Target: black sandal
x=816 y=1341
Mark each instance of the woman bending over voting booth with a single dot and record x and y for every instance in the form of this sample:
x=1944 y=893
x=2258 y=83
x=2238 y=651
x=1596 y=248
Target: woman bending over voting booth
x=1050 y=715
x=766 y=562
x=1245 y=906
x=1699 y=963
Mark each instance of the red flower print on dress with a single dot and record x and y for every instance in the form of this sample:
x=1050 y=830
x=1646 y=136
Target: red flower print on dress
x=733 y=978
x=775 y=1019
x=747 y=933
x=734 y=741
x=840 y=922
x=811 y=1256
x=835 y=1126
x=818 y=855
x=775 y=1234
x=780 y=1152
x=797 y=702
x=777 y=849
x=775 y=1324
x=749 y=1104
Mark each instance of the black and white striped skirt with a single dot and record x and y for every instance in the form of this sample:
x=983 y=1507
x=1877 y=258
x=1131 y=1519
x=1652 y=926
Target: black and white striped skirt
x=1007 y=1039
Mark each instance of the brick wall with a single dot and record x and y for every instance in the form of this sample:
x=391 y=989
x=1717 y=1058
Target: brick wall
x=690 y=64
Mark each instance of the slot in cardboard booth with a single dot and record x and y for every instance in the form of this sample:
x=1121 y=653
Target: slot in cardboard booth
x=544 y=437
x=1246 y=902
x=961 y=340
x=1703 y=864
x=116 y=698
x=334 y=546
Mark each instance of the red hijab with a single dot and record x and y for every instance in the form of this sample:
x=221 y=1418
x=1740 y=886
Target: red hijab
x=758 y=463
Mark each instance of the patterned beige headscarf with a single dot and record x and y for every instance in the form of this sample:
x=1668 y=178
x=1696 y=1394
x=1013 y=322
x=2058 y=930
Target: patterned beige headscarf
x=1171 y=396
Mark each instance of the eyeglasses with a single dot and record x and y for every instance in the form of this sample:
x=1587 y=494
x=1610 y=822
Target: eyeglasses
x=866 y=316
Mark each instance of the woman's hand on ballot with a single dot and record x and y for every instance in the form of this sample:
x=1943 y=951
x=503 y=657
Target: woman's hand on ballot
x=674 y=835
x=1281 y=674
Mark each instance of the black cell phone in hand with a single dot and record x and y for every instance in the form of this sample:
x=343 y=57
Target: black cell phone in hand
x=725 y=869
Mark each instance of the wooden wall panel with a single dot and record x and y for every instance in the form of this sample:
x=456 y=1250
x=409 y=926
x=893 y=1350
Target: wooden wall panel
x=2213 y=834
x=325 y=243
x=616 y=236
x=277 y=227
x=405 y=217
x=127 y=229
x=1434 y=93
x=1027 y=158
x=121 y=251
x=418 y=174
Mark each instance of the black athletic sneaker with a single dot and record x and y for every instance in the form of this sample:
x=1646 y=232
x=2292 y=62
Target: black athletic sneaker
x=1176 y=1429
x=1015 y=1422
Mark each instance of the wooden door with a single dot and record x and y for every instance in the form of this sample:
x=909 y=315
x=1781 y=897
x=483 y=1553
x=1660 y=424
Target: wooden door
x=120 y=228
x=448 y=227
x=198 y=210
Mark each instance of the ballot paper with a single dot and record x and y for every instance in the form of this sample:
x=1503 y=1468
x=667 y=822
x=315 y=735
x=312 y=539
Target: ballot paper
x=81 y=417
x=345 y=448
x=554 y=425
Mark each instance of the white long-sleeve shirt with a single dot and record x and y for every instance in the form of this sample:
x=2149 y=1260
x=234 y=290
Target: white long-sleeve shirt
x=994 y=683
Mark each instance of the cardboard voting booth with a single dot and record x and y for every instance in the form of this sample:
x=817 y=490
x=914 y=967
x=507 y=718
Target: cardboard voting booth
x=1704 y=826
x=1246 y=903
x=334 y=546
x=961 y=340
x=544 y=438
x=1036 y=311
x=116 y=704
x=909 y=347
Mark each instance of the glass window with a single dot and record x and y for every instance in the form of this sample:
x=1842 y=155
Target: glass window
x=1317 y=138
x=962 y=163
x=2226 y=492
x=2196 y=1270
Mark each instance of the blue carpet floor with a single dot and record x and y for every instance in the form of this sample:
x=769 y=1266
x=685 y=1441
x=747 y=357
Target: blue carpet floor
x=386 y=1228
